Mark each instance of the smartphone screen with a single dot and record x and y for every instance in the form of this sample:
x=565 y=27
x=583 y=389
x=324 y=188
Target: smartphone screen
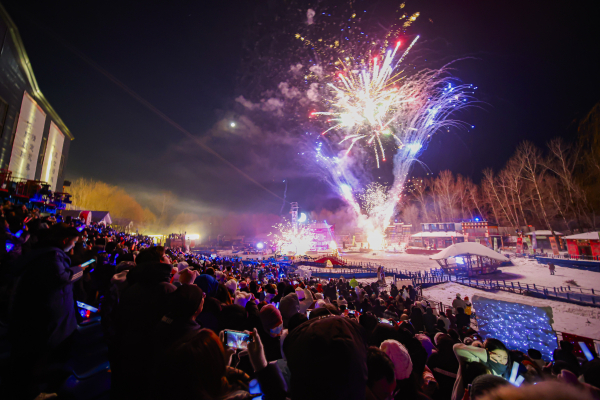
x=308 y=313
x=385 y=321
x=85 y=264
x=586 y=351
x=351 y=311
x=236 y=340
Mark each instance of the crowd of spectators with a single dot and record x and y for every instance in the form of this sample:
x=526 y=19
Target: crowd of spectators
x=168 y=318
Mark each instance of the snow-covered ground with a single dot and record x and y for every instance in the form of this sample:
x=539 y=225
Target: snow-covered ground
x=524 y=270
x=570 y=318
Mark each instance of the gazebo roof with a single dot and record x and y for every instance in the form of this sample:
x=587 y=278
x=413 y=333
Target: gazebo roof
x=468 y=249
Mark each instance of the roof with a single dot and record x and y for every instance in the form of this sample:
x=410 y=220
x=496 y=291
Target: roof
x=98 y=216
x=544 y=233
x=438 y=234
x=584 y=236
x=468 y=248
x=25 y=64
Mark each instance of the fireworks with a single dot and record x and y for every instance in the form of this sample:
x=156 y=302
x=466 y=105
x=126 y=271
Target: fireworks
x=292 y=240
x=373 y=197
x=366 y=101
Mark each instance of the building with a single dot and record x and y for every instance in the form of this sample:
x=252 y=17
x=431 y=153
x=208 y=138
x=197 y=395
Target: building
x=34 y=141
x=482 y=232
x=583 y=244
x=398 y=232
x=542 y=238
x=323 y=234
x=436 y=240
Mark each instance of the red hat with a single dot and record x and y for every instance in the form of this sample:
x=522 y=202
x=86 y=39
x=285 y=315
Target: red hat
x=270 y=317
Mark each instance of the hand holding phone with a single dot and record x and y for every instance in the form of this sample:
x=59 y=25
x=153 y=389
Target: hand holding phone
x=236 y=339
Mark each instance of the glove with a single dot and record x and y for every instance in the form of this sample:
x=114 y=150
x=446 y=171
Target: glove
x=256 y=352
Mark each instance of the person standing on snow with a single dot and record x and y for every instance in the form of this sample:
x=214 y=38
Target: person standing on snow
x=552 y=268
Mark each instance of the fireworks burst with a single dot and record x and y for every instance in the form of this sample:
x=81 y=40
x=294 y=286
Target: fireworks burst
x=366 y=101
x=374 y=196
x=292 y=240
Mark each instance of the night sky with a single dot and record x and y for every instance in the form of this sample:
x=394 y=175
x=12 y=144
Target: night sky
x=535 y=63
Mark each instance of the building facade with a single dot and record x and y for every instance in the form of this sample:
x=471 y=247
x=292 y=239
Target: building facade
x=34 y=141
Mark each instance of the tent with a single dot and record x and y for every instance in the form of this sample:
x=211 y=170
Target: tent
x=468 y=259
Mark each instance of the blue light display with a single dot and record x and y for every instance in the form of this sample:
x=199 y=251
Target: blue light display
x=518 y=326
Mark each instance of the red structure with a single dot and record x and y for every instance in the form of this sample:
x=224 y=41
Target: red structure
x=334 y=260
x=584 y=244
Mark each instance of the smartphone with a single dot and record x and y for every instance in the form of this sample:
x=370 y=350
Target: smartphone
x=386 y=321
x=236 y=339
x=352 y=312
x=295 y=282
x=85 y=264
x=586 y=351
x=277 y=305
x=308 y=313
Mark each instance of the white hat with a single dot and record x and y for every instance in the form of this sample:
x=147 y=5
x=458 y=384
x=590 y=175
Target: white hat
x=400 y=358
x=231 y=285
x=300 y=293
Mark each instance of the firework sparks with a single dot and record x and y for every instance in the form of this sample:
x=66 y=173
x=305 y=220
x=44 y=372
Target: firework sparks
x=289 y=240
x=373 y=197
x=366 y=102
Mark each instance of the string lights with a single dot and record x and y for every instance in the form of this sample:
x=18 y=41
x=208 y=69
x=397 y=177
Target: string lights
x=518 y=326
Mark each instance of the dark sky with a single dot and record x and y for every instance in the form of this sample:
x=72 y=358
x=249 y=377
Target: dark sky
x=535 y=63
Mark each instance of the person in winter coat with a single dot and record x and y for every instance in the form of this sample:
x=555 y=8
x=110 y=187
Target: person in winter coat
x=416 y=319
x=494 y=356
x=458 y=302
x=353 y=283
x=552 y=268
x=452 y=318
x=44 y=286
x=326 y=366
x=462 y=319
x=202 y=369
x=288 y=307
x=444 y=366
x=429 y=320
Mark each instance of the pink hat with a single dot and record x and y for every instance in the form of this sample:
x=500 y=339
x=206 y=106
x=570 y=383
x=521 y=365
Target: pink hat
x=270 y=317
x=400 y=358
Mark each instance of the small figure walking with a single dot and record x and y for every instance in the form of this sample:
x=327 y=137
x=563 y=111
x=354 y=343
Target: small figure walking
x=552 y=268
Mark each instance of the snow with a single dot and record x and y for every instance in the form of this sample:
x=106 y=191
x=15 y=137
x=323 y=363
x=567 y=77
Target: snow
x=525 y=270
x=584 y=236
x=468 y=248
x=438 y=234
x=570 y=318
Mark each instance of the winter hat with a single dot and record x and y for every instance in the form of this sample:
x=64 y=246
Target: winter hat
x=404 y=317
x=468 y=341
x=270 y=317
x=242 y=298
x=400 y=357
x=231 y=285
x=184 y=302
x=330 y=353
x=288 y=307
x=423 y=303
x=208 y=284
x=243 y=284
x=300 y=293
x=320 y=303
x=426 y=343
x=182 y=265
x=437 y=337
x=186 y=276
x=318 y=296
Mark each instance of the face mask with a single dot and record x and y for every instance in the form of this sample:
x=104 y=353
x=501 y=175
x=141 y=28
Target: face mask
x=276 y=331
x=497 y=368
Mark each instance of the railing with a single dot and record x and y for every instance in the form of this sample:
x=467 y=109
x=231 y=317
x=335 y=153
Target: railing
x=570 y=257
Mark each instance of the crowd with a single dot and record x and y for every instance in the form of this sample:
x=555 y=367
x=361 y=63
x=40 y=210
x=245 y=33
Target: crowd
x=186 y=326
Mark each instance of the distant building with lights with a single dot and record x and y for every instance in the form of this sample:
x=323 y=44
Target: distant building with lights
x=324 y=234
x=34 y=141
x=481 y=232
x=437 y=235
